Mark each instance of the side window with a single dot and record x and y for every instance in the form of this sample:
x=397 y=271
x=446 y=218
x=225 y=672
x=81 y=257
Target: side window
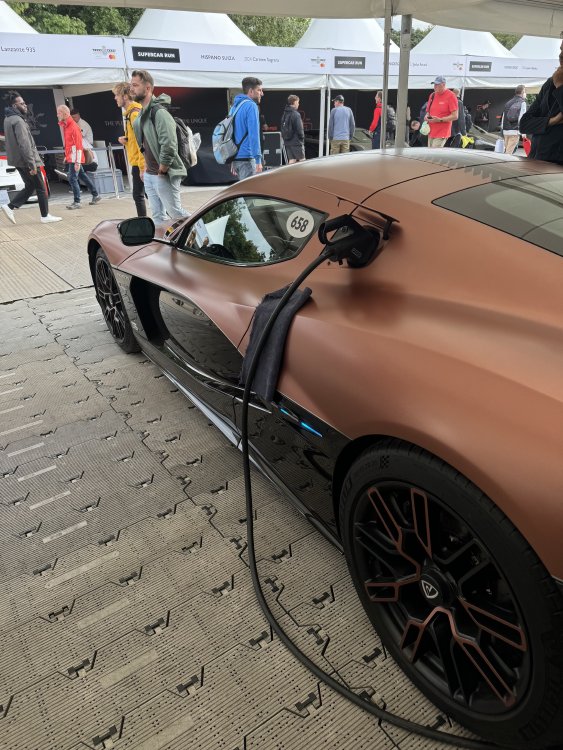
x=252 y=230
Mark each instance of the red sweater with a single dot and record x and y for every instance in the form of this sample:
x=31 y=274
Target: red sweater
x=73 y=142
x=376 y=118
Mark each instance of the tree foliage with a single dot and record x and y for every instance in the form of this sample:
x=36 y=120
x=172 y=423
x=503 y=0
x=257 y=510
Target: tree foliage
x=416 y=36
x=508 y=40
x=78 y=19
x=272 y=32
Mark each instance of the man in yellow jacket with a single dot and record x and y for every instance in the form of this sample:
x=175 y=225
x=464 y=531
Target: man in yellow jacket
x=131 y=110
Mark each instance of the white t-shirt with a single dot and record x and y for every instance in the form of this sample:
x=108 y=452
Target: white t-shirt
x=86 y=145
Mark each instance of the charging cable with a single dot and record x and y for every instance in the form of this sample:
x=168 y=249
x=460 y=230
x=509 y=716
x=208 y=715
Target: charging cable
x=335 y=250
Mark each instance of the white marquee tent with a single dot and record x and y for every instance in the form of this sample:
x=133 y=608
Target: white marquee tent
x=537 y=48
x=363 y=34
x=185 y=26
x=442 y=40
x=11 y=23
x=540 y=17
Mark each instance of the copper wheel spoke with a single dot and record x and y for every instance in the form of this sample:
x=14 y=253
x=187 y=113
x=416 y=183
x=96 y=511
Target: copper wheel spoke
x=497 y=626
x=491 y=675
x=421 y=517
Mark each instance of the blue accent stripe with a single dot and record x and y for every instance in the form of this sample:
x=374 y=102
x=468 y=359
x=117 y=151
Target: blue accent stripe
x=310 y=429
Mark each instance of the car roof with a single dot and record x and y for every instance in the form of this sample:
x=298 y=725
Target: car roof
x=357 y=176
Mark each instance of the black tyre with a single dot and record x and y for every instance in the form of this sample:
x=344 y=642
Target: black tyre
x=458 y=597
x=110 y=300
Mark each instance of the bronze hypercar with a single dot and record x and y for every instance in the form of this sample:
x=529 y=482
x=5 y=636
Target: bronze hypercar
x=418 y=415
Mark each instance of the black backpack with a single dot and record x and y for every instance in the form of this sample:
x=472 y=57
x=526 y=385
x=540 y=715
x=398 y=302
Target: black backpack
x=391 y=121
x=188 y=143
x=286 y=128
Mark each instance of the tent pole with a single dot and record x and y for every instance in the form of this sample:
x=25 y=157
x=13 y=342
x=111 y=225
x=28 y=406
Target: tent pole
x=322 y=115
x=386 y=51
x=403 y=86
x=325 y=139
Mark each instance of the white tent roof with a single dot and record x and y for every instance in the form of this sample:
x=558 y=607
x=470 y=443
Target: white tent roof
x=445 y=41
x=185 y=26
x=363 y=34
x=11 y=23
x=537 y=48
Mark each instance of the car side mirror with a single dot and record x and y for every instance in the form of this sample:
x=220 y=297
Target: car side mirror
x=137 y=231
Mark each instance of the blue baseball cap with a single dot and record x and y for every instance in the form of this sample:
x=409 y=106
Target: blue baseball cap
x=439 y=79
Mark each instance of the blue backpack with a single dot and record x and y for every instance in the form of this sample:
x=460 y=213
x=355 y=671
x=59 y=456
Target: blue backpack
x=225 y=148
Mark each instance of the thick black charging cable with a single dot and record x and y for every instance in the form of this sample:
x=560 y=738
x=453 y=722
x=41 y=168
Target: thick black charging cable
x=331 y=252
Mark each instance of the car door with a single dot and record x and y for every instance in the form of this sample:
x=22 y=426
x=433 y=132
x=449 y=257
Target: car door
x=199 y=297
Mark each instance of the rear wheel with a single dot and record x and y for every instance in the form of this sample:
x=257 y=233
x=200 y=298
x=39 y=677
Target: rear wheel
x=110 y=300
x=456 y=594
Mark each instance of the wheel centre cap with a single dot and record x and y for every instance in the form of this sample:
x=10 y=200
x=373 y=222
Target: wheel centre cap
x=435 y=588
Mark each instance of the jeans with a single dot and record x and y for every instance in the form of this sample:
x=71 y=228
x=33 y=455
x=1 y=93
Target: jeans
x=32 y=183
x=73 y=176
x=138 y=192
x=244 y=169
x=163 y=193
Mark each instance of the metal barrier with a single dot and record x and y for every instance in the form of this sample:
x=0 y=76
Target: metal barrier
x=108 y=150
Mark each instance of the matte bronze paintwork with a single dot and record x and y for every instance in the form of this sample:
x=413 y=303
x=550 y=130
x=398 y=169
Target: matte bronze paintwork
x=452 y=339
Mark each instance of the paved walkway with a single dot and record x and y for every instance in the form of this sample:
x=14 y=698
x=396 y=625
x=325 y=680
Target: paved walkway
x=127 y=615
x=38 y=259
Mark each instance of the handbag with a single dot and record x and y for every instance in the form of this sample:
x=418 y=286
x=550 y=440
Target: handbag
x=425 y=128
x=499 y=146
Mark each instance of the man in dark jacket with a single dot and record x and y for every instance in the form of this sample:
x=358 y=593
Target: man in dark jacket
x=21 y=153
x=458 y=126
x=544 y=120
x=292 y=131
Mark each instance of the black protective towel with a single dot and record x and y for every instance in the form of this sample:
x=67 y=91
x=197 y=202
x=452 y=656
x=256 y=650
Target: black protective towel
x=266 y=376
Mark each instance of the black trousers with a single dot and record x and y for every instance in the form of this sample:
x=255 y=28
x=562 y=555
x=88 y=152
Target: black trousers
x=138 y=192
x=33 y=183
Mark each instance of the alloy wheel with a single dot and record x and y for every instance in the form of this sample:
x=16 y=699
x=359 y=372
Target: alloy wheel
x=110 y=299
x=449 y=608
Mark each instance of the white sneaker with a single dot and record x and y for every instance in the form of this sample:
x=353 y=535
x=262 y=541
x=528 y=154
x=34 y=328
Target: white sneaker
x=9 y=213
x=50 y=219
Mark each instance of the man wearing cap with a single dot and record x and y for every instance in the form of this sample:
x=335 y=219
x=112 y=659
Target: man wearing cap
x=442 y=110
x=341 y=126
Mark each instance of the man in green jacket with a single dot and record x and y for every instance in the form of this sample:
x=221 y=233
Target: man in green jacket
x=155 y=131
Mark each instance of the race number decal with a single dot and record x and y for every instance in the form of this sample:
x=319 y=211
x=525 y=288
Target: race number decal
x=300 y=224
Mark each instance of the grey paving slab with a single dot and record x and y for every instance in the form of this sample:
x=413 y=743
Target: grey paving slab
x=25 y=276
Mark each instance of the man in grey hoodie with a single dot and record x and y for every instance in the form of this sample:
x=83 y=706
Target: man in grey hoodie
x=22 y=154
x=341 y=126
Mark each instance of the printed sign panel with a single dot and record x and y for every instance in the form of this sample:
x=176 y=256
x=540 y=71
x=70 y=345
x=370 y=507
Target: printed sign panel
x=61 y=51
x=351 y=63
x=156 y=54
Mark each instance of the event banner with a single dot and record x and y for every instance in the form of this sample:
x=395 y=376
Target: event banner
x=61 y=51
x=78 y=51
x=509 y=67
x=155 y=55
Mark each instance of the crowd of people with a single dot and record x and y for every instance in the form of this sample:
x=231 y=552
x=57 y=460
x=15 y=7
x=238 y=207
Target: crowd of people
x=151 y=142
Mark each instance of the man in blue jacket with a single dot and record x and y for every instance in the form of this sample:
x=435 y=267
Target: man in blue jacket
x=247 y=129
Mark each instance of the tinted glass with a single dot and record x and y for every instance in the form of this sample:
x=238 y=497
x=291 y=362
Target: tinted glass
x=530 y=208
x=252 y=231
